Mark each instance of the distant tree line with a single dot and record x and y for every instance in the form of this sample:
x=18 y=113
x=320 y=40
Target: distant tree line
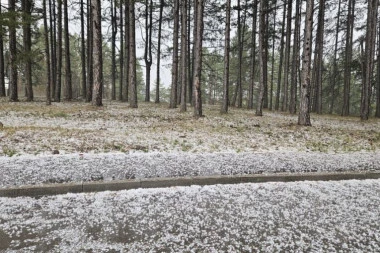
x=285 y=55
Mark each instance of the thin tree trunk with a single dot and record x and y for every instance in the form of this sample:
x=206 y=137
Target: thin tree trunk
x=335 y=63
x=121 y=57
x=253 y=56
x=157 y=100
x=240 y=35
x=369 y=59
x=90 y=66
x=262 y=57
x=126 y=50
x=304 y=114
x=58 y=87
x=287 y=57
x=280 y=66
x=319 y=61
x=377 y=114
x=68 y=83
x=295 y=60
x=174 y=86
x=13 y=93
x=184 y=56
x=132 y=57
x=97 y=52
x=47 y=54
x=2 y=66
x=348 y=59
x=148 y=47
x=113 y=50
x=189 y=62
x=273 y=57
x=83 y=50
x=27 y=41
x=53 y=57
x=198 y=61
x=226 y=69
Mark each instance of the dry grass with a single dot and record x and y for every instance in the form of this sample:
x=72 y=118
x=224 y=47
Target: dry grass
x=34 y=128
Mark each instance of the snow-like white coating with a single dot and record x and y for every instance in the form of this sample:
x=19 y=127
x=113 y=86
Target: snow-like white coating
x=269 y=217
x=32 y=170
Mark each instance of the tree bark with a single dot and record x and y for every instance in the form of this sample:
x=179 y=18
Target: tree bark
x=47 y=54
x=121 y=50
x=157 y=100
x=377 y=113
x=2 y=66
x=318 y=61
x=148 y=46
x=53 y=56
x=113 y=50
x=226 y=69
x=83 y=50
x=13 y=93
x=126 y=52
x=335 y=63
x=262 y=57
x=198 y=61
x=27 y=41
x=285 y=87
x=304 y=114
x=295 y=60
x=132 y=57
x=273 y=58
x=348 y=58
x=68 y=82
x=370 y=41
x=97 y=52
x=280 y=66
x=174 y=86
x=90 y=35
x=184 y=56
x=58 y=88
x=253 y=56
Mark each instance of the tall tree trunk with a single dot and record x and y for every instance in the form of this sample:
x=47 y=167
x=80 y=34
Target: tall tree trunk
x=316 y=83
x=253 y=56
x=295 y=60
x=334 y=78
x=377 y=114
x=90 y=35
x=370 y=41
x=132 y=56
x=2 y=66
x=121 y=50
x=27 y=41
x=126 y=52
x=13 y=93
x=83 y=51
x=304 y=114
x=157 y=100
x=348 y=58
x=97 y=52
x=273 y=58
x=280 y=66
x=174 y=86
x=226 y=69
x=240 y=34
x=148 y=46
x=189 y=58
x=113 y=50
x=184 y=56
x=47 y=54
x=58 y=88
x=198 y=61
x=53 y=56
x=262 y=57
x=285 y=87
x=68 y=83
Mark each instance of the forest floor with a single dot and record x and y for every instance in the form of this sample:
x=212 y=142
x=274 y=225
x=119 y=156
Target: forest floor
x=36 y=129
x=117 y=142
